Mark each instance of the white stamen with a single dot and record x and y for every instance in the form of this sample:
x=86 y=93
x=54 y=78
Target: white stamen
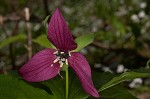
x=66 y=62
x=61 y=52
x=61 y=64
x=55 y=52
x=56 y=60
x=60 y=59
x=69 y=53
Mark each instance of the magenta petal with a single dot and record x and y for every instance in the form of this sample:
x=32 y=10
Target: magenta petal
x=59 y=33
x=83 y=71
x=39 y=67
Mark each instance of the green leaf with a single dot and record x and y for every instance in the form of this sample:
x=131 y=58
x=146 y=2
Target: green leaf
x=13 y=88
x=126 y=76
x=57 y=86
x=75 y=88
x=12 y=39
x=116 y=92
x=45 y=22
x=43 y=41
x=83 y=41
x=101 y=79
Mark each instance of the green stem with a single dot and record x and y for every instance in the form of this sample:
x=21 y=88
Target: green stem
x=67 y=82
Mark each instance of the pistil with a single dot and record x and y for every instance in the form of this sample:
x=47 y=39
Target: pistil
x=62 y=57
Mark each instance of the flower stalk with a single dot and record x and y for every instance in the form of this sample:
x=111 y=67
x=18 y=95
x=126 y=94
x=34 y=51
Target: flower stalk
x=67 y=82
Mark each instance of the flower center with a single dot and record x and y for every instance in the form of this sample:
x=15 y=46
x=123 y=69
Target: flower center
x=62 y=57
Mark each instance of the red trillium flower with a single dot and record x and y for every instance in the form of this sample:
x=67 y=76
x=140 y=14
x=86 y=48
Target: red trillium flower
x=47 y=63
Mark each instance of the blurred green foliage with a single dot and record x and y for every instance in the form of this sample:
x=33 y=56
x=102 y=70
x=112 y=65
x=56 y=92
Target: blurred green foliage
x=121 y=26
